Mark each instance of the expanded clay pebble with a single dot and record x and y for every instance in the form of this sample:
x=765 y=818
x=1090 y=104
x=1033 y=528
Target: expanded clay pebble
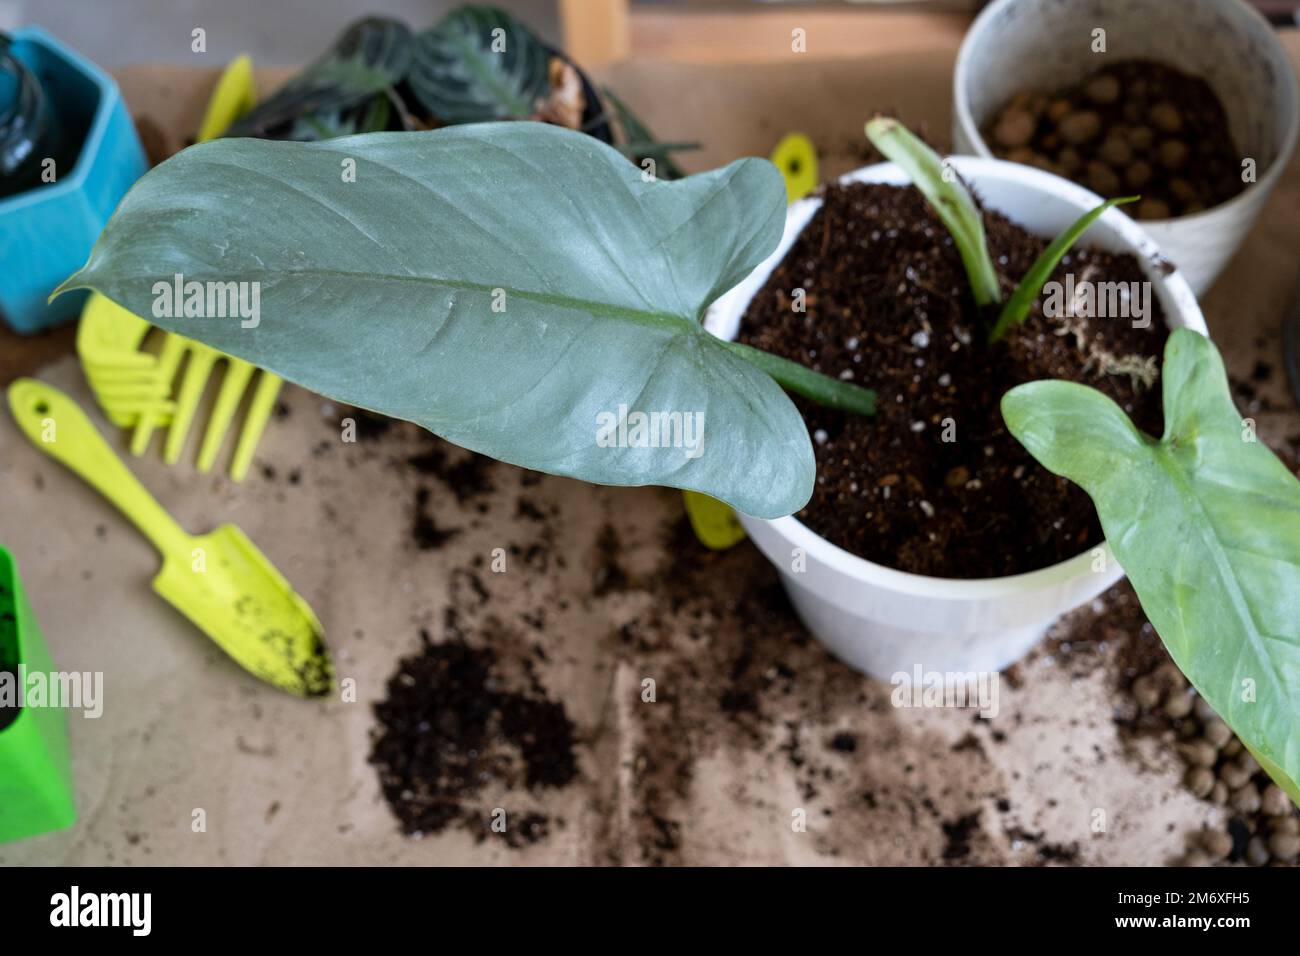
x=1166 y=118
x=1200 y=780
x=1103 y=89
x=1284 y=846
x=1079 y=127
x=1216 y=843
x=1285 y=824
x=1204 y=712
x=1015 y=128
x=1217 y=732
x=1132 y=127
x=1199 y=753
x=1265 y=825
x=1275 y=802
x=1234 y=775
x=1147 y=694
x=1257 y=853
x=1245 y=800
x=1178 y=705
x=1260 y=826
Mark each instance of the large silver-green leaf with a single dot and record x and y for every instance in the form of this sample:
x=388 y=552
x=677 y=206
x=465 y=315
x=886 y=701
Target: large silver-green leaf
x=478 y=64
x=1205 y=522
x=381 y=292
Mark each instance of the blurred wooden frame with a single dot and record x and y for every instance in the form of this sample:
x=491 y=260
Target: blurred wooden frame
x=602 y=31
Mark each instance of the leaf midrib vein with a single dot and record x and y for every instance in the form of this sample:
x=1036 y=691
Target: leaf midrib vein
x=604 y=309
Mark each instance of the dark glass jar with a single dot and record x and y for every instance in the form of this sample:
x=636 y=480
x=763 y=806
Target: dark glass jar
x=24 y=124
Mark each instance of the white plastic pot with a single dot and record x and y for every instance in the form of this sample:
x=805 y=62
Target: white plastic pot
x=882 y=621
x=1015 y=45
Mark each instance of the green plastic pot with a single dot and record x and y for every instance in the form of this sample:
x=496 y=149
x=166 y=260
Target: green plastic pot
x=35 y=767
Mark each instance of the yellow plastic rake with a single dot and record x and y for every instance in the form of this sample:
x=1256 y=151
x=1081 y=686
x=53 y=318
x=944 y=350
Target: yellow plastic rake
x=135 y=387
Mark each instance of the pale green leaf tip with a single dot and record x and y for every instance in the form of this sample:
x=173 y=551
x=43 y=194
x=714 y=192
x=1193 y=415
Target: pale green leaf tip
x=1023 y=404
x=1197 y=348
x=879 y=126
x=73 y=281
x=770 y=173
x=1015 y=403
x=1190 y=337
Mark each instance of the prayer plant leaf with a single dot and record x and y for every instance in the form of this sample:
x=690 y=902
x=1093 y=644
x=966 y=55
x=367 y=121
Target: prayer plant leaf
x=368 y=57
x=479 y=64
x=502 y=285
x=1205 y=522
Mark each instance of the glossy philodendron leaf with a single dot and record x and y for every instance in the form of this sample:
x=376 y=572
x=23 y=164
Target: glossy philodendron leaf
x=479 y=64
x=334 y=92
x=1205 y=522
x=508 y=286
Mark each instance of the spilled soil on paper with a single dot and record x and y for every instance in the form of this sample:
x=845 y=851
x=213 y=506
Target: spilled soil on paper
x=630 y=697
x=449 y=722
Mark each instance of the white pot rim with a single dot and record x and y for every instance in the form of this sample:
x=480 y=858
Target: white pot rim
x=1141 y=245
x=961 y=110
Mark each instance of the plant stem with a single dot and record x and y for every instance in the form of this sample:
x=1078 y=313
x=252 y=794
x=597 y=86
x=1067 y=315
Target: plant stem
x=801 y=380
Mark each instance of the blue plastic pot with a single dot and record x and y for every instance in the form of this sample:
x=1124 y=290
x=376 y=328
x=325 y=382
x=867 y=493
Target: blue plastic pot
x=47 y=232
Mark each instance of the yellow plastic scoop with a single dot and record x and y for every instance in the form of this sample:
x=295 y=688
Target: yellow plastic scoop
x=220 y=581
x=232 y=97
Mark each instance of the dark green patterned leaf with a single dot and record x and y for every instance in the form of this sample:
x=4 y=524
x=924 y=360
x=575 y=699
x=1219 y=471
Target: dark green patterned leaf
x=334 y=92
x=479 y=64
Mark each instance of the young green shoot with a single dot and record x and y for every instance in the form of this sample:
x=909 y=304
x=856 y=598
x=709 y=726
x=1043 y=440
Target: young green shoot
x=1016 y=309
x=948 y=197
x=955 y=206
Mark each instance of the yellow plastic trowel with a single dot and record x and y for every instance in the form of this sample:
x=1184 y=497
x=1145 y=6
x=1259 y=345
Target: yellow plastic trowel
x=219 y=580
